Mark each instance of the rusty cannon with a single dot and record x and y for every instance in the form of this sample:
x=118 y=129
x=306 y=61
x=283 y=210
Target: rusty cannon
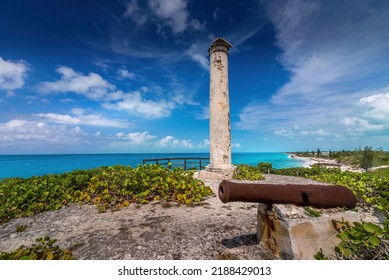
x=319 y=196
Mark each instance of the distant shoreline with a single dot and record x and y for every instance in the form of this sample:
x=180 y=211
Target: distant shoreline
x=309 y=161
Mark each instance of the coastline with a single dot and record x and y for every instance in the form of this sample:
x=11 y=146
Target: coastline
x=330 y=163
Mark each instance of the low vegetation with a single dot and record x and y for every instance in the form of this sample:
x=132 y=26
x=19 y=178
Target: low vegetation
x=107 y=187
x=247 y=172
x=363 y=240
x=362 y=158
x=360 y=241
x=43 y=249
x=118 y=186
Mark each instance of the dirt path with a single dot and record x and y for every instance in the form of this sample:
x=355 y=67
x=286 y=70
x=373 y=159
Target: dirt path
x=212 y=230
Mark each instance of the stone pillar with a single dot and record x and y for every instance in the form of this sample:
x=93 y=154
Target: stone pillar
x=219 y=110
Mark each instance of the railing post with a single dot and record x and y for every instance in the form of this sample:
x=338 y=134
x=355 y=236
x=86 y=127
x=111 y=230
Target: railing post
x=184 y=163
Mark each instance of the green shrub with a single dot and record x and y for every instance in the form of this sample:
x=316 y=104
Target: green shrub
x=247 y=172
x=360 y=241
x=264 y=167
x=107 y=187
x=118 y=186
x=311 y=211
x=25 y=197
x=44 y=249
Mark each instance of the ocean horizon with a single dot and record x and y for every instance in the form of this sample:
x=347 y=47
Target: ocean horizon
x=26 y=166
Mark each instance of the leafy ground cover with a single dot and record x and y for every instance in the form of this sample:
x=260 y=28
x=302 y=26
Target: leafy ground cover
x=383 y=172
x=107 y=187
x=359 y=240
x=247 y=172
x=363 y=240
x=43 y=249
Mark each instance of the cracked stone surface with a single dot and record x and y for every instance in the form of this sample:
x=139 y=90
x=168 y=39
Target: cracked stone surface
x=158 y=230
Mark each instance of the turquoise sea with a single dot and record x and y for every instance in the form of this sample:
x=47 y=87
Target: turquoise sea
x=34 y=165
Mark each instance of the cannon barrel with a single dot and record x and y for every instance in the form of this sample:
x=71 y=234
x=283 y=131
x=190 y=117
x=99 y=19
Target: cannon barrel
x=320 y=196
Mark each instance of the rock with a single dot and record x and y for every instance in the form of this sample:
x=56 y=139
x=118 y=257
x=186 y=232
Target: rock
x=292 y=234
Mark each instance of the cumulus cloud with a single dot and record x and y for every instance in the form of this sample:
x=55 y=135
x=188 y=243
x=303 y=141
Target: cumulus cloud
x=376 y=107
x=28 y=133
x=12 y=74
x=371 y=113
x=171 y=141
x=83 y=119
x=136 y=138
x=204 y=143
x=136 y=104
x=173 y=12
x=93 y=86
x=125 y=74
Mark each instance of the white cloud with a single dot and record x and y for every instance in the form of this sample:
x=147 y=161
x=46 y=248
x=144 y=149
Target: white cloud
x=125 y=74
x=199 y=55
x=336 y=53
x=171 y=141
x=93 y=86
x=286 y=133
x=204 y=143
x=134 y=12
x=38 y=133
x=164 y=142
x=376 y=107
x=204 y=114
x=136 y=138
x=12 y=74
x=173 y=12
x=371 y=113
x=296 y=132
x=82 y=119
x=78 y=111
x=197 y=25
x=135 y=104
x=328 y=46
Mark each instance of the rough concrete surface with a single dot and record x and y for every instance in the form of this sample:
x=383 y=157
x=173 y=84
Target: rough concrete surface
x=158 y=230
x=212 y=230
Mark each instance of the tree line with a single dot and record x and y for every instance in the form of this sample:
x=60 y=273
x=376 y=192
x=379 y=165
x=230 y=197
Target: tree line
x=364 y=158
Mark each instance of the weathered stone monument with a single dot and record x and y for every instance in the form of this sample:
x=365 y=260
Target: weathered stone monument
x=219 y=113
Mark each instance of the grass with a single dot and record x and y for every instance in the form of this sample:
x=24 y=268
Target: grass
x=382 y=159
x=384 y=172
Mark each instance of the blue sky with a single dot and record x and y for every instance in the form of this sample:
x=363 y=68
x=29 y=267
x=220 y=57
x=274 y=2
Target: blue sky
x=132 y=76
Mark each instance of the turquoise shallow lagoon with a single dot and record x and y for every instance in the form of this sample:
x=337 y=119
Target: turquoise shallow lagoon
x=34 y=165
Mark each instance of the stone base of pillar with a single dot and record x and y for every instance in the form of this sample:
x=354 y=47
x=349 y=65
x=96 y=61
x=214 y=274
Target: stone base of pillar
x=219 y=173
x=292 y=234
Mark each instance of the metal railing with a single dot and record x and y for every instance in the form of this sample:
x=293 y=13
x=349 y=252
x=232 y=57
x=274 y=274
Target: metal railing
x=191 y=163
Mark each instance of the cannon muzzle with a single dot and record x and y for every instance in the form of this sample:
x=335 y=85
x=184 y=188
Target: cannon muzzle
x=319 y=196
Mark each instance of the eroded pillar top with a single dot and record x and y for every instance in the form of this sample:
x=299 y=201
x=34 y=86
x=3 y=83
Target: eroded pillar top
x=219 y=45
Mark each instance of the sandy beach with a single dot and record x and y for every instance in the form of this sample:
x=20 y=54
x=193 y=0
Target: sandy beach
x=330 y=163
